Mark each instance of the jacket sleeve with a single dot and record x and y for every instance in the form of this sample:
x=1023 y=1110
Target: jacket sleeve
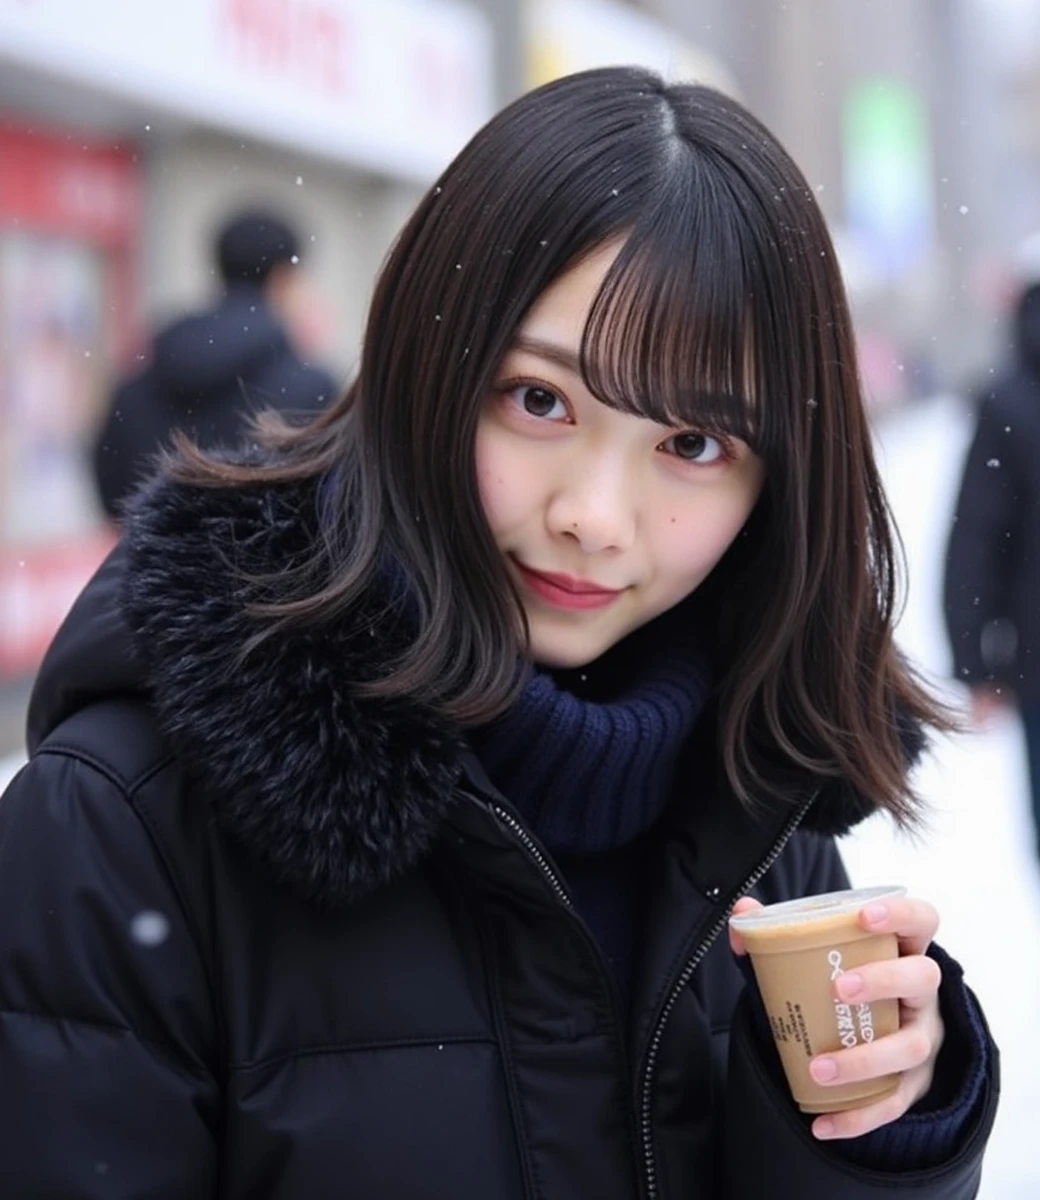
x=759 y=1103
x=106 y=1029
x=981 y=538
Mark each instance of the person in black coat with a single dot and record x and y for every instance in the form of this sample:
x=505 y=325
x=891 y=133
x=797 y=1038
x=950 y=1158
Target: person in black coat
x=209 y=372
x=992 y=573
x=393 y=782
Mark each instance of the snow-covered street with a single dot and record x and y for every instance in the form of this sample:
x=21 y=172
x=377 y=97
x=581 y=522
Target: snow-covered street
x=976 y=862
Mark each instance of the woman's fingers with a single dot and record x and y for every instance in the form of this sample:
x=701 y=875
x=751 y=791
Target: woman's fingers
x=912 y=1046
x=909 y=1053
x=913 y=980
x=743 y=905
x=855 y=1122
x=914 y=922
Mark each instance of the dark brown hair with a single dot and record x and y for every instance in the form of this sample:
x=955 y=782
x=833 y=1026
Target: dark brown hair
x=725 y=308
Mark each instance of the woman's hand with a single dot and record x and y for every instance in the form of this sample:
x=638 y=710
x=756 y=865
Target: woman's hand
x=911 y=1051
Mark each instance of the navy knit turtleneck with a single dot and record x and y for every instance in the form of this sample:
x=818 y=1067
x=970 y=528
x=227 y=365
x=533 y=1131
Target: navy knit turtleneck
x=588 y=757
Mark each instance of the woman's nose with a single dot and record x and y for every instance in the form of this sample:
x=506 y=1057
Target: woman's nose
x=595 y=508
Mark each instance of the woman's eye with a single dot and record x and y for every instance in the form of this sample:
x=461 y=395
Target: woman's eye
x=697 y=448
x=540 y=402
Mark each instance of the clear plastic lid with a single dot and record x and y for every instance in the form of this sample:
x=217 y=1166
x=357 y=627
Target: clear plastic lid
x=812 y=908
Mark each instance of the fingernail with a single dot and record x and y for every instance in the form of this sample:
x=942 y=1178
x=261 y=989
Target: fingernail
x=823 y=1128
x=849 y=986
x=876 y=913
x=824 y=1070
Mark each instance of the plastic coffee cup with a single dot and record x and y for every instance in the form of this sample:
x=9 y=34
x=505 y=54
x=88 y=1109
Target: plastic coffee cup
x=797 y=950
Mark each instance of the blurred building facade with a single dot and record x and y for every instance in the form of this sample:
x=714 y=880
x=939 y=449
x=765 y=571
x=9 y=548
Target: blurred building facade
x=918 y=123
x=127 y=133
x=128 y=130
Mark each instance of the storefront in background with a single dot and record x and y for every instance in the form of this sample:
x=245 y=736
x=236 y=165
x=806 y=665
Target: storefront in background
x=333 y=111
x=394 y=86
x=69 y=220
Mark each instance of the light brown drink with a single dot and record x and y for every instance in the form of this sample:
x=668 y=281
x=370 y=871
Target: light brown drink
x=798 y=949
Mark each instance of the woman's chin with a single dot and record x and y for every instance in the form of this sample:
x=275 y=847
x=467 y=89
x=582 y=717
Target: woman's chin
x=567 y=651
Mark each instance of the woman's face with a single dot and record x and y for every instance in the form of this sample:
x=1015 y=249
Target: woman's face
x=605 y=519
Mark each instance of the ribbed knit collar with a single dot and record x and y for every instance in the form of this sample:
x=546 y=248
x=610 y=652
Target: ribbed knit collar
x=588 y=756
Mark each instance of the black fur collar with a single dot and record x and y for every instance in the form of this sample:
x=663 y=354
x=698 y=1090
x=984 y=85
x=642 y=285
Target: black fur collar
x=332 y=795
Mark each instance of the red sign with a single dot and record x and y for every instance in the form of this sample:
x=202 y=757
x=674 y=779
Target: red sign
x=305 y=41
x=70 y=216
x=69 y=186
x=36 y=592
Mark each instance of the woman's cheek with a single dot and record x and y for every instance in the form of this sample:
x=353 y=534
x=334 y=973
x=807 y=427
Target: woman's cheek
x=694 y=542
x=495 y=479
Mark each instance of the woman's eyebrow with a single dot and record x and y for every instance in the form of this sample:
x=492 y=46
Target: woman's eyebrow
x=563 y=356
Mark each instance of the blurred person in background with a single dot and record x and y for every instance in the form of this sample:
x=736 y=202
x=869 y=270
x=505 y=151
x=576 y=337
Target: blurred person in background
x=208 y=372
x=992 y=573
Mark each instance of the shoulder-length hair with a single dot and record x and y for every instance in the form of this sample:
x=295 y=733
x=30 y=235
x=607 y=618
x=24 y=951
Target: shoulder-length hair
x=724 y=309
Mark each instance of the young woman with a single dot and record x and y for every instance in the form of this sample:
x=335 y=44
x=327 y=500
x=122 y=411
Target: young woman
x=392 y=784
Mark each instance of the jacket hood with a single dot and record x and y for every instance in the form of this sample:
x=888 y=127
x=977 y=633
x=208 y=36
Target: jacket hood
x=207 y=354
x=332 y=794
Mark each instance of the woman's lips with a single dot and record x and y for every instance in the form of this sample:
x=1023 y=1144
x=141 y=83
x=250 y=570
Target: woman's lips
x=563 y=591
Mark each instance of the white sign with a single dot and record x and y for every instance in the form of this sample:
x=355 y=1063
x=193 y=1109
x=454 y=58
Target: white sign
x=394 y=85
x=564 y=36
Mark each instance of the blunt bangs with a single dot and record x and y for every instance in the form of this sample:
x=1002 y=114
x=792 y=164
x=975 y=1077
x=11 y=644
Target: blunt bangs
x=671 y=334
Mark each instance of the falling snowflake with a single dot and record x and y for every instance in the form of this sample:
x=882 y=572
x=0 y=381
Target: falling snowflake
x=149 y=928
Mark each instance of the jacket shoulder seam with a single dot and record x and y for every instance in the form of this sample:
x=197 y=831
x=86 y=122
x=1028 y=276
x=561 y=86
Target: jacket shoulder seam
x=59 y=1018
x=102 y=1026
x=116 y=777
x=128 y=790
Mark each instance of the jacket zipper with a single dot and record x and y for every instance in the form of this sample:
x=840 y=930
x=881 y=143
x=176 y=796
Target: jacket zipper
x=543 y=864
x=538 y=858
x=684 y=978
x=531 y=846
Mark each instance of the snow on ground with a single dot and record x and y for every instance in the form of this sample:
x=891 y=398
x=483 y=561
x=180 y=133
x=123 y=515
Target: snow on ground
x=977 y=861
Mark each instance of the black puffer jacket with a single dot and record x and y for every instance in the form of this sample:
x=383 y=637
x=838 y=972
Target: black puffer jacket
x=992 y=581
x=262 y=940
x=208 y=373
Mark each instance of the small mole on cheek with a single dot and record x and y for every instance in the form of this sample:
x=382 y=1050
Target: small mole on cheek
x=673 y=520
